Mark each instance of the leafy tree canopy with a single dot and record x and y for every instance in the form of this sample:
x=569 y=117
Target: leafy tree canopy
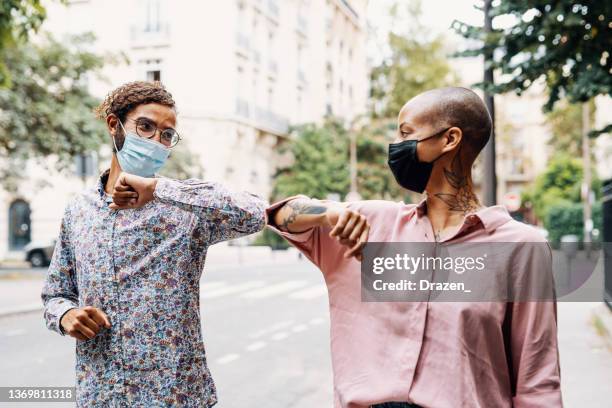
x=565 y=42
x=47 y=109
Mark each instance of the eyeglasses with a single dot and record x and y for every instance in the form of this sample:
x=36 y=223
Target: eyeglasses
x=147 y=128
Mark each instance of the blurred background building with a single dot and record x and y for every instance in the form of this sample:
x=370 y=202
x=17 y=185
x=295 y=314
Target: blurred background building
x=241 y=71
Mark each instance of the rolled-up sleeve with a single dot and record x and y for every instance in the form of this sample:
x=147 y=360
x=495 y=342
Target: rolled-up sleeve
x=534 y=347
x=60 y=292
x=227 y=214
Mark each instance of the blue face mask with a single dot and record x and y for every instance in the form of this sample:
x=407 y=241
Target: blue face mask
x=140 y=156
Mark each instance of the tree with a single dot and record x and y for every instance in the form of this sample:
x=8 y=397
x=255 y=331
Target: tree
x=47 y=110
x=565 y=121
x=559 y=184
x=319 y=162
x=183 y=163
x=18 y=18
x=416 y=62
x=566 y=43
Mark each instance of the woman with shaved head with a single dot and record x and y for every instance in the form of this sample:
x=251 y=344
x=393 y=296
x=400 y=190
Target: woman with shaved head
x=425 y=353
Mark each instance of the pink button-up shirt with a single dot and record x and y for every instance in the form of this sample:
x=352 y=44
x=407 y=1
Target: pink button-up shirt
x=434 y=354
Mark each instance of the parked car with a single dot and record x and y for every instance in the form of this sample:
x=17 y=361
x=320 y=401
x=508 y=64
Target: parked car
x=39 y=254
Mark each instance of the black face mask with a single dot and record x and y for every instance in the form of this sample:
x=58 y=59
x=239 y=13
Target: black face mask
x=408 y=171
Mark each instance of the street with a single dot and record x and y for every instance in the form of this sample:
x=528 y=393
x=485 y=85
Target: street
x=266 y=331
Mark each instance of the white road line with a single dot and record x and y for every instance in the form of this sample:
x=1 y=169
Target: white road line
x=317 y=320
x=309 y=293
x=272 y=290
x=228 y=358
x=15 y=332
x=256 y=346
x=299 y=328
x=280 y=336
x=229 y=290
x=211 y=285
x=273 y=328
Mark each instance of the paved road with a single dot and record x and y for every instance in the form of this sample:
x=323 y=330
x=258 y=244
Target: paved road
x=266 y=329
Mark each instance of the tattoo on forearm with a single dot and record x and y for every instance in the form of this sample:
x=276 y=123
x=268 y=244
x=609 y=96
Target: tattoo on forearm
x=297 y=208
x=463 y=199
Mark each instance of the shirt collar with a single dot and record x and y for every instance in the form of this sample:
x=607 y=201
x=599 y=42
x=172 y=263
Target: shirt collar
x=101 y=183
x=490 y=217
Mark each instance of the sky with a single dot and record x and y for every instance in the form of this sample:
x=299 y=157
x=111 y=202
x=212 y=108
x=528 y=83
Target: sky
x=438 y=16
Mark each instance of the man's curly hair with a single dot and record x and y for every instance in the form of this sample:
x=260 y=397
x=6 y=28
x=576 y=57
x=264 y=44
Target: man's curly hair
x=128 y=96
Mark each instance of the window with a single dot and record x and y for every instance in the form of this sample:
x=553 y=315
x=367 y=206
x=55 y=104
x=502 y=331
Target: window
x=152 y=16
x=154 y=75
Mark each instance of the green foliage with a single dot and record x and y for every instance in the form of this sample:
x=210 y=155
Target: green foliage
x=47 y=110
x=558 y=185
x=565 y=121
x=374 y=179
x=565 y=42
x=183 y=164
x=269 y=238
x=416 y=63
x=18 y=19
x=320 y=162
x=566 y=218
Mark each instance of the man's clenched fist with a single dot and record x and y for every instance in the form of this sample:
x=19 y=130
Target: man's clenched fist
x=84 y=323
x=132 y=191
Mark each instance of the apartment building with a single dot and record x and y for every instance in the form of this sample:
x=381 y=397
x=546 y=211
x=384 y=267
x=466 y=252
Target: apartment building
x=241 y=71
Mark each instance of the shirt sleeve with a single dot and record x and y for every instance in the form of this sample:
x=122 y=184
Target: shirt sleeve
x=227 y=214
x=59 y=293
x=533 y=343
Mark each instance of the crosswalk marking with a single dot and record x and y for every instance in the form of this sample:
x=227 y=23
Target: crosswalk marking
x=212 y=285
x=228 y=358
x=299 y=328
x=309 y=293
x=256 y=346
x=271 y=290
x=273 y=328
x=279 y=336
x=229 y=290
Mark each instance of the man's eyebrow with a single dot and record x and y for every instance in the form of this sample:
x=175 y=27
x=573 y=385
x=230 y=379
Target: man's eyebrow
x=405 y=124
x=152 y=121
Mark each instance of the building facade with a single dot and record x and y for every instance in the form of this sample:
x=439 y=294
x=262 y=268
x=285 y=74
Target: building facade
x=241 y=71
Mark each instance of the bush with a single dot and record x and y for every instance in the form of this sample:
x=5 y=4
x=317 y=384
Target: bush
x=271 y=239
x=565 y=218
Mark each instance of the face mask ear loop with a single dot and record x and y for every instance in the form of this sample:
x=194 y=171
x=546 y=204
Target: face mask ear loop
x=429 y=137
x=124 y=132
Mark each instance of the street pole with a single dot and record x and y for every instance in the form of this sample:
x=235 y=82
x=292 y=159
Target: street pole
x=586 y=183
x=489 y=179
x=353 y=194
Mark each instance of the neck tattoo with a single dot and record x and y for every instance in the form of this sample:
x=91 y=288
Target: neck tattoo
x=463 y=199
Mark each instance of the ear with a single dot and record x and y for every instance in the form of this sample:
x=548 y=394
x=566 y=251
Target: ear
x=453 y=139
x=112 y=122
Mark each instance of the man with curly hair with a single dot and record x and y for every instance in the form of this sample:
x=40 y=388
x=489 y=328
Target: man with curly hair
x=125 y=283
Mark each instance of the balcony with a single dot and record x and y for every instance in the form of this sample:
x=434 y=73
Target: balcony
x=150 y=36
x=262 y=118
x=271 y=120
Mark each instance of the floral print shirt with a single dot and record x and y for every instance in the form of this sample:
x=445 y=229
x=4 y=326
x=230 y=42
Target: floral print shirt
x=142 y=267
